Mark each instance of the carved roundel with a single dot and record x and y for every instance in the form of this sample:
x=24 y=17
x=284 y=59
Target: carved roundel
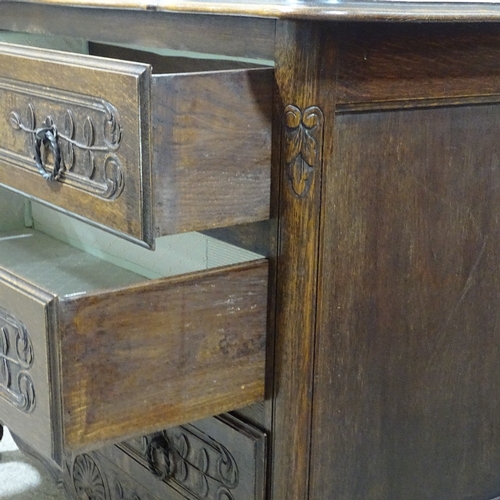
x=88 y=480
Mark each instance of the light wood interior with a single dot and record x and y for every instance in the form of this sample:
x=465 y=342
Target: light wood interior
x=94 y=258
x=169 y=62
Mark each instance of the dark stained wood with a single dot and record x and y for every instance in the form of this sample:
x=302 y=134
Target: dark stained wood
x=55 y=472
x=397 y=63
x=211 y=133
x=26 y=407
x=383 y=370
x=218 y=457
x=94 y=103
x=212 y=148
x=305 y=58
x=407 y=360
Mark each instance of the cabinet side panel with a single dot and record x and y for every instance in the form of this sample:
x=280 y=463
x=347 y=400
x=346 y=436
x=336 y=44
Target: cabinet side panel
x=407 y=372
x=399 y=62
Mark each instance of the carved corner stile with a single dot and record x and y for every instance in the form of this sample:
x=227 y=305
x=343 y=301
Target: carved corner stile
x=305 y=72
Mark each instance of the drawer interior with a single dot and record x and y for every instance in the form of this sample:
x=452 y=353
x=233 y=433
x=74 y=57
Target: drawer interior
x=169 y=64
x=57 y=267
x=174 y=255
x=12 y=210
x=162 y=60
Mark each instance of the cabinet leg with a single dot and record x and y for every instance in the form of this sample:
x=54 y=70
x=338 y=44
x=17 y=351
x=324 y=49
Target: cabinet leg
x=54 y=471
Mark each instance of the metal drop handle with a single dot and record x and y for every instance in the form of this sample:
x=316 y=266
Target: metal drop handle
x=47 y=137
x=157 y=456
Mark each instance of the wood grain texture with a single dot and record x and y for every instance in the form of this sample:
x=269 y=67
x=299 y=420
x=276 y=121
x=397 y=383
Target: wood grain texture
x=26 y=406
x=82 y=364
x=175 y=350
x=407 y=359
x=211 y=140
x=217 y=457
x=211 y=149
x=385 y=365
x=405 y=64
x=305 y=57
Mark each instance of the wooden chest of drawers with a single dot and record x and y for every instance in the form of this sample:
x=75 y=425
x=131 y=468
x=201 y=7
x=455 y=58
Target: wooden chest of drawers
x=383 y=323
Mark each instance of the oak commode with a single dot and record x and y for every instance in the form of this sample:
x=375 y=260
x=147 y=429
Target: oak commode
x=287 y=211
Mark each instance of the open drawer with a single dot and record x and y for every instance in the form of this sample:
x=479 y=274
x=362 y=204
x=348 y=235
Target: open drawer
x=143 y=149
x=90 y=352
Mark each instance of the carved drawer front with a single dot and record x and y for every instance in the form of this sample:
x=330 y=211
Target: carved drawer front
x=219 y=458
x=90 y=352
x=141 y=149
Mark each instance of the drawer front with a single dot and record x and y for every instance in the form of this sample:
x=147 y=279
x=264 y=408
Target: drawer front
x=27 y=404
x=96 y=109
x=126 y=357
x=213 y=459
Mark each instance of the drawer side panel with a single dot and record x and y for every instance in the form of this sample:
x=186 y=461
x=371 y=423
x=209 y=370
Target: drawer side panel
x=152 y=356
x=211 y=149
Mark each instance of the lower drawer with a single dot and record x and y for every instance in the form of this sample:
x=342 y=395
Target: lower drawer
x=219 y=458
x=91 y=353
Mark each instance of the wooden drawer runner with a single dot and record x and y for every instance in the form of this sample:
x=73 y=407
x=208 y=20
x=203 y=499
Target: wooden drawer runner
x=91 y=353
x=145 y=149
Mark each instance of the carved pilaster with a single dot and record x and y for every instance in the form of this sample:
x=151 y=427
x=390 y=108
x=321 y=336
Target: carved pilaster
x=305 y=72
